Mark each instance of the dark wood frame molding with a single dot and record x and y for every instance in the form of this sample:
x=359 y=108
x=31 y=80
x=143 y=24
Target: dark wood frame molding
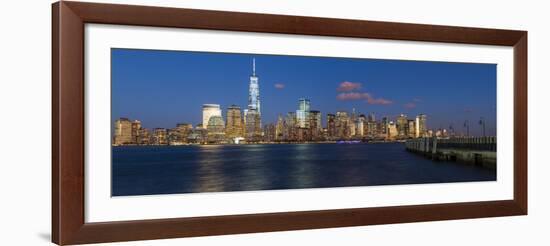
x=68 y=224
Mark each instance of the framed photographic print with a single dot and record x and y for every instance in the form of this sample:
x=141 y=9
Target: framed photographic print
x=176 y=122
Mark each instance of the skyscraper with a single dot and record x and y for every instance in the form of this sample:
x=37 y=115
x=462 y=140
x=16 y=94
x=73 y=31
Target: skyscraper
x=254 y=90
x=123 y=132
x=402 y=125
x=209 y=110
x=421 y=125
x=234 y=122
x=331 y=126
x=315 y=126
x=253 y=115
x=302 y=114
x=342 y=125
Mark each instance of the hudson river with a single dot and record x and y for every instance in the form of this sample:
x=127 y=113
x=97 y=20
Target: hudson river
x=147 y=170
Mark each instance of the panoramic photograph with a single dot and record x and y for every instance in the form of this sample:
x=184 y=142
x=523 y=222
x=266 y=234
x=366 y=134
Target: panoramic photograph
x=193 y=122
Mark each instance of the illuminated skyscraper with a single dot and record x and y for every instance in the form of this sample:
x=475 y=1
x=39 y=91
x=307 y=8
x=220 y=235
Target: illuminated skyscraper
x=254 y=90
x=315 y=127
x=216 y=129
x=302 y=114
x=123 y=132
x=331 y=126
x=342 y=125
x=421 y=125
x=209 y=110
x=253 y=115
x=234 y=123
x=402 y=125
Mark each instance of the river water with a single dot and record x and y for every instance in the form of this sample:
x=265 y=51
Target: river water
x=148 y=170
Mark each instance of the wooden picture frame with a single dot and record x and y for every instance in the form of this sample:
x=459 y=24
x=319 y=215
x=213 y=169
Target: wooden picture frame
x=68 y=223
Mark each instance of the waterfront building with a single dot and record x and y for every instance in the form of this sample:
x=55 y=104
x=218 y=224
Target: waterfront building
x=234 y=123
x=253 y=129
x=253 y=113
x=198 y=135
x=361 y=125
x=421 y=120
x=136 y=126
x=181 y=133
x=302 y=114
x=402 y=126
x=411 y=129
x=209 y=110
x=331 y=126
x=270 y=132
x=315 y=125
x=216 y=129
x=342 y=125
x=352 y=123
x=279 y=128
x=392 y=130
x=144 y=137
x=290 y=132
x=372 y=129
x=123 y=132
x=160 y=136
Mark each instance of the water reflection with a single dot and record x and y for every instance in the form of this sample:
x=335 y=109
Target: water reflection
x=140 y=170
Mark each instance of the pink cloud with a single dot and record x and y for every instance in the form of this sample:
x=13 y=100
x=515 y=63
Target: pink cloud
x=279 y=86
x=379 y=101
x=348 y=96
x=348 y=86
x=409 y=105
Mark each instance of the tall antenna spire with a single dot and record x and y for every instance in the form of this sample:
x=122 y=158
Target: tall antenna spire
x=253 y=66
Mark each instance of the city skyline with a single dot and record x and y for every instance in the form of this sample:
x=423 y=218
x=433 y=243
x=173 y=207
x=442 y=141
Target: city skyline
x=175 y=70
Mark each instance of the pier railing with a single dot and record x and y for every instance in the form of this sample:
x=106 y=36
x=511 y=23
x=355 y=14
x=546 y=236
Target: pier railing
x=476 y=150
x=466 y=143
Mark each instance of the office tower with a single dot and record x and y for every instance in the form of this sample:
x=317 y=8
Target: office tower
x=342 y=125
x=422 y=125
x=136 y=126
x=144 y=137
x=160 y=136
x=123 y=132
x=331 y=126
x=290 y=132
x=361 y=125
x=182 y=131
x=234 y=123
x=253 y=129
x=302 y=114
x=411 y=129
x=216 y=129
x=209 y=110
x=254 y=91
x=253 y=115
x=279 y=128
x=270 y=132
x=402 y=126
x=315 y=126
x=392 y=130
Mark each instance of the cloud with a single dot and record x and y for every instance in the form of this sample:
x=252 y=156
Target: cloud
x=416 y=99
x=349 y=96
x=409 y=105
x=279 y=86
x=348 y=86
x=379 y=101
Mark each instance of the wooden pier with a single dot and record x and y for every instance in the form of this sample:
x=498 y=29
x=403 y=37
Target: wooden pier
x=480 y=151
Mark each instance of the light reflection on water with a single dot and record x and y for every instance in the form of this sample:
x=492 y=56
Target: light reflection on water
x=145 y=170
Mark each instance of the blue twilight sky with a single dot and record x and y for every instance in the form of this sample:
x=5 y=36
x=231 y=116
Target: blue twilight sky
x=162 y=88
